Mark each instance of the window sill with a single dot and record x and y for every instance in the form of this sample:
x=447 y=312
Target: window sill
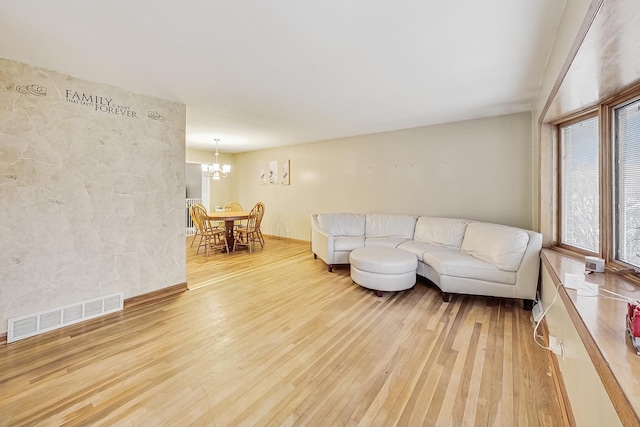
x=600 y=322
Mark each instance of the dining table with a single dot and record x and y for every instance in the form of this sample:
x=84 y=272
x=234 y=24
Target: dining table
x=229 y=218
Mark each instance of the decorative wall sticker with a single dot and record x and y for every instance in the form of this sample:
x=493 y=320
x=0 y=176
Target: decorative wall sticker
x=36 y=90
x=153 y=115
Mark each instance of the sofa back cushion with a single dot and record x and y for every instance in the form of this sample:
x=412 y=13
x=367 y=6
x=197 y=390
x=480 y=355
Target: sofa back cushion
x=500 y=245
x=342 y=224
x=447 y=232
x=389 y=225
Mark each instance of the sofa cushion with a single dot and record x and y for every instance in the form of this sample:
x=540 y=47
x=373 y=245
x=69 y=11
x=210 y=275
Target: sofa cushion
x=387 y=242
x=500 y=245
x=342 y=224
x=419 y=248
x=389 y=225
x=447 y=232
x=347 y=243
x=460 y=264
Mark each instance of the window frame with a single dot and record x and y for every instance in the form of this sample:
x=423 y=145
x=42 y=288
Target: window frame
x=577 y=118
x=618 y=102
x=604 y=110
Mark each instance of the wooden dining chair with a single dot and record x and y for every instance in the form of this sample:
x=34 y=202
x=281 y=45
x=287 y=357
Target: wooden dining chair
x=232 y=207
x=247 y=233
x=194 y=221
x=260 y=209
x=212 y=237
x=216 y=224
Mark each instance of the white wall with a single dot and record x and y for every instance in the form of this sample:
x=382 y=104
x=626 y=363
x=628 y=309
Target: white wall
x=478 y=169
x=92 y=192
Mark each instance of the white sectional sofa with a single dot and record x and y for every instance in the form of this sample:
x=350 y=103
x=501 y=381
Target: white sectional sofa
x=459 y=256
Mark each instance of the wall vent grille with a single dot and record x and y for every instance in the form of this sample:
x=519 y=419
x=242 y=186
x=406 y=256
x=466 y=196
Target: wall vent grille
x=44 y=321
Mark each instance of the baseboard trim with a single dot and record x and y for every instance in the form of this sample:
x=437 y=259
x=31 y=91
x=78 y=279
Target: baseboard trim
x=153 y=296
x=286 y=239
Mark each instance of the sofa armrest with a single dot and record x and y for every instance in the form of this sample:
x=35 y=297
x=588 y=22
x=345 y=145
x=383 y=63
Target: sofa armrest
x=321 y=242
x=529 y=270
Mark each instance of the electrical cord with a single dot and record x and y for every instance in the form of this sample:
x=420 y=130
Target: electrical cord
x=611 y=295
x=544 y=313
x=596 y=293
x=625 y=270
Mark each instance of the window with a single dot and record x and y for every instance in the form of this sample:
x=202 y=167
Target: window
x=599 y=181
x=626 y=124
x=579 y=185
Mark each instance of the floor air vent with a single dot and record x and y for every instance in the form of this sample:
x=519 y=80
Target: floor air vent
x=34 y=324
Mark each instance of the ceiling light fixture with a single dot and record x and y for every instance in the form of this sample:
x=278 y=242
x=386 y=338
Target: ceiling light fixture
x=216 y=170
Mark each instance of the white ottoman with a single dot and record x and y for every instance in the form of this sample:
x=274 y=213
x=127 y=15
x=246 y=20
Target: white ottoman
x=383 y=269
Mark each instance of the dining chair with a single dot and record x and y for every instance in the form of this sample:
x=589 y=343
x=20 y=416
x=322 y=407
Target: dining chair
x=216 y=224
x=260 y=209
x=247 y=233
x=232 y=207
x=194 y=221
x=212 y=237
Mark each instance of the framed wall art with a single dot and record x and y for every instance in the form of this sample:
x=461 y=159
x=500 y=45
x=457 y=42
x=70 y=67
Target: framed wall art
x=273 y=172
x=262 y=174
x=284 y=172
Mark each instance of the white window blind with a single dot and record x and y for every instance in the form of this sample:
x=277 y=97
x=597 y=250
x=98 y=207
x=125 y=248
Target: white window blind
x=579 y=181
x=627 y=179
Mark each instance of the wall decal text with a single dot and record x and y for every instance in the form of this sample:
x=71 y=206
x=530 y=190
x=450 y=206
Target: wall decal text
x=99 y=103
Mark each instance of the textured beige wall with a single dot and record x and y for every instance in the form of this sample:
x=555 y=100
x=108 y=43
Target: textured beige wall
x=92 y=192
x=478 y=169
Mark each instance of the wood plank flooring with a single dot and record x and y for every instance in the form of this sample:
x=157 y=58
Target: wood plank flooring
x=271 y=338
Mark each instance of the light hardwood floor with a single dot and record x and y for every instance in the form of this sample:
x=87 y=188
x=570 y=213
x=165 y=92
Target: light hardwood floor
x=272 y=338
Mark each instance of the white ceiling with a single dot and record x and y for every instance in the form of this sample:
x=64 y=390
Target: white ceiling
x=259 y=74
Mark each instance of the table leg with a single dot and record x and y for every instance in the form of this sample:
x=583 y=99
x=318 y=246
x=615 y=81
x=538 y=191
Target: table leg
x=228 y=227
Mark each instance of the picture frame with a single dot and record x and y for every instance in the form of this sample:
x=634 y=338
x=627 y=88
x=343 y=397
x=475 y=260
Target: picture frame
x=273 y=172
x=262 y=174
x=284 y=173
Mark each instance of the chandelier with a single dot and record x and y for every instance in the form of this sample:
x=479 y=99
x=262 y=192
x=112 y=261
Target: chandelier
x=216 y=170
